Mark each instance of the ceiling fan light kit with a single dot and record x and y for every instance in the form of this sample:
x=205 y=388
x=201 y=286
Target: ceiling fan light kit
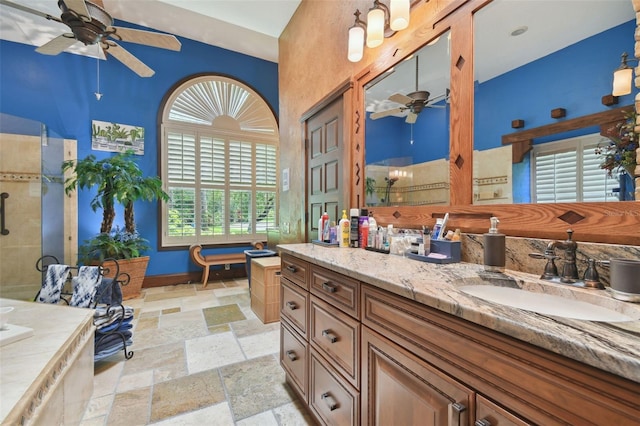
x=91 y=24
x=382 y=22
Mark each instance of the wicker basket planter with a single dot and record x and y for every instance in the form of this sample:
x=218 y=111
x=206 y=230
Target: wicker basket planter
x=136 y=267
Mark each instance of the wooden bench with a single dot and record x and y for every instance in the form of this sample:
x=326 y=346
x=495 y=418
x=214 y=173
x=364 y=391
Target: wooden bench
x=205 y=262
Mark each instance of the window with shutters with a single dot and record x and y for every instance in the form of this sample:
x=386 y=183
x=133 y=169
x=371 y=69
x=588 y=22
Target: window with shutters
x=569 y=170
x=219 y=161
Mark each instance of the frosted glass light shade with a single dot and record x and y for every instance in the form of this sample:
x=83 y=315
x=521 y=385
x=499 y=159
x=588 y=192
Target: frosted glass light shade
x=622 y=81
x=356 y=43
x=399 y=11
x=375 y=27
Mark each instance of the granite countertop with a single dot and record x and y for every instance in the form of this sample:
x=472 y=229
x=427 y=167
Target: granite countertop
x=613 y=347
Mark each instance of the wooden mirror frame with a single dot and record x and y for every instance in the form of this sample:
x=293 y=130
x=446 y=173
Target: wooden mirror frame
x=605 y=222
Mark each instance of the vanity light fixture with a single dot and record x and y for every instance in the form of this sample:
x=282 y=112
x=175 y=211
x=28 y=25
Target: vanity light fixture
x=622 y=77
x=382 y=22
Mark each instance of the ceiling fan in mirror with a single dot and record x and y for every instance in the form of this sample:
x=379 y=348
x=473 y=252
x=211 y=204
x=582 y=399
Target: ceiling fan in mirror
x=413 y=102
x=91 y=24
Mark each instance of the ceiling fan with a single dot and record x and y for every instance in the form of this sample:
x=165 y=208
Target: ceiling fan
x=91 y=24
x=413 y=102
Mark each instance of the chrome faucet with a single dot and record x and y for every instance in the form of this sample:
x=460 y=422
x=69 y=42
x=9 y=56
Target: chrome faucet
x=569 y=268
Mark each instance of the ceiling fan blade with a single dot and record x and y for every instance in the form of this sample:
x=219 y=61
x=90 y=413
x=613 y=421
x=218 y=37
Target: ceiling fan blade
x=411 y=117
x=376 y=115
x=57 y=45
x=401 y=99
x=135 y=64
x=29 y=10
x=80 y=8
x=435 y=106
x=148 y=38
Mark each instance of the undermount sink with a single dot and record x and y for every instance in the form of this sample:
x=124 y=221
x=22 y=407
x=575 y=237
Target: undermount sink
x=546 y=304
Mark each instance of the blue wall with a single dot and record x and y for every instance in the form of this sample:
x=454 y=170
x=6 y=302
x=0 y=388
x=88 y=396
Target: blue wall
x=59 y=92
x=390 y=137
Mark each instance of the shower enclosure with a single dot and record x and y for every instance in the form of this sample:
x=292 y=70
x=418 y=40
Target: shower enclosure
x=35 y=215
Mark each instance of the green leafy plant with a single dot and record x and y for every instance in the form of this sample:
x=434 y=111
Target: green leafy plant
x=117 y=244
x=619 y=151
x=118 y=179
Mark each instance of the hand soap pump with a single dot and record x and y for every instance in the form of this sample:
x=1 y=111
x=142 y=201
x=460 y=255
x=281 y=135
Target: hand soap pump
x=494 y=248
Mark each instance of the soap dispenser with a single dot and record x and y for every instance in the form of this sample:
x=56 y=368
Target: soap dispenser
x=494 y=248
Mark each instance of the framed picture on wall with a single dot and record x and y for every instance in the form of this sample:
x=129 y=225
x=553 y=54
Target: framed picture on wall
x=116 y=137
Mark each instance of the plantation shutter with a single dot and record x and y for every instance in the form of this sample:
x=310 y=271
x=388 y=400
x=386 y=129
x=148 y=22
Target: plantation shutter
x=219 y=162
x=569 y=171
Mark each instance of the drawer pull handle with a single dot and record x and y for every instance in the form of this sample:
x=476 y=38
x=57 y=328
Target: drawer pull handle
x=482 y=422
x=292 y=355
x=292 y=306
x=328 y=399
x=328 y=287
x=455 y=411
x=292 y=269
x=330 y=336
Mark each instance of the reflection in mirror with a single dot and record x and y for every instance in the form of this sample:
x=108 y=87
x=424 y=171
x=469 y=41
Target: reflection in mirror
x=407 y=130
x=533 y=57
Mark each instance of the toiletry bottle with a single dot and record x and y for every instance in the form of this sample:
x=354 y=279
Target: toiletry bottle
x=364 y=214
x=494 y=248
x=364 y=233
x=373 y=231
x=435 y=235
x=354 y=222
x=343 y=233
x=325 y=228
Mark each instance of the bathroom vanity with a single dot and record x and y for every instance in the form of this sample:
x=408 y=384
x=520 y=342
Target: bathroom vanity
x=370 y=338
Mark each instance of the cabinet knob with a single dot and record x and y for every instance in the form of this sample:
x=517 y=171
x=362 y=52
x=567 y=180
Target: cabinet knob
x=328 y=287
x=291 y=268
x=328 y=399
x=482 y=422
x=455 y=411
x=292 y=306
x=292 y=356
x=330 y=336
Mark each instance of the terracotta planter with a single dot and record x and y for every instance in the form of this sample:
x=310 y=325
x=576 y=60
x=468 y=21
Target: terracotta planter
x=136 y=268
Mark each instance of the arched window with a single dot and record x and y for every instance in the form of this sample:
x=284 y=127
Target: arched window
x=219 y=161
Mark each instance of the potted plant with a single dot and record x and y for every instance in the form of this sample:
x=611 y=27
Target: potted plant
x=117 y=179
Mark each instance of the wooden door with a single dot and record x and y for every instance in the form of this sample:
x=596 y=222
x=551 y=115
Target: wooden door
x=399 y=388
x=327 y=164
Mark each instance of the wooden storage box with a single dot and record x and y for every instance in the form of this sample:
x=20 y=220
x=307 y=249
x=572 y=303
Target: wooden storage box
x=265 y=288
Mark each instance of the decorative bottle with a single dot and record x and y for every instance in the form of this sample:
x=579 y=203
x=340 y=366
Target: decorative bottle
x=494 y=248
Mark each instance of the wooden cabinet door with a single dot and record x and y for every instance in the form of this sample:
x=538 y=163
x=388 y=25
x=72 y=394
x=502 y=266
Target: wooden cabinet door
x=400 y=389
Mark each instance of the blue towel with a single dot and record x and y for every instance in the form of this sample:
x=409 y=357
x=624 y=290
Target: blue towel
x=109 y=292
x=53 y=282
x=85 y=286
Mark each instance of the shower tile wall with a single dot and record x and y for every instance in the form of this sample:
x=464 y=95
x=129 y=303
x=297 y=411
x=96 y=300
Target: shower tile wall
x=20 y=161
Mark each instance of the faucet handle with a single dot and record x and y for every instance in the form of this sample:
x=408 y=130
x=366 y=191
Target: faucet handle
x=550 y=269
x=569 y=234
x=591 y=277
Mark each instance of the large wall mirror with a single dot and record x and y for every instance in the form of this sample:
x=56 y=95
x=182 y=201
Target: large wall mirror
x=407 y=130
x=532 y=57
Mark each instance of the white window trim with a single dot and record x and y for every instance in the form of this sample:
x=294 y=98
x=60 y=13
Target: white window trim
x=261 y=127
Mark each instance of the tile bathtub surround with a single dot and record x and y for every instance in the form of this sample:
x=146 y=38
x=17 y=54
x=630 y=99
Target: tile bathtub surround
x=518 y=249
x=201 y=356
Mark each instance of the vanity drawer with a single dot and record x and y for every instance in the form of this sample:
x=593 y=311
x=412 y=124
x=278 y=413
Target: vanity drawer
x=337 y=336
x=294 y=356
x=331 y=399
x=296 y=270
x=342 y=292
x=294 y=306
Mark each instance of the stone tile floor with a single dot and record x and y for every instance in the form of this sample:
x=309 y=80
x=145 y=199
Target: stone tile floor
x=201 y=356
